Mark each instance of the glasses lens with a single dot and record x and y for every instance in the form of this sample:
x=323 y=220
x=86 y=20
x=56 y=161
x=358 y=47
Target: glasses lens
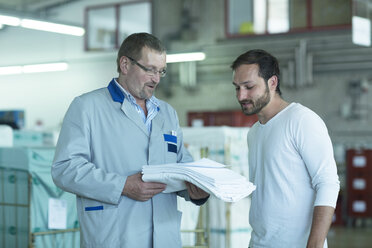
x=150 y=72
x=162 y=73
x=154 y=73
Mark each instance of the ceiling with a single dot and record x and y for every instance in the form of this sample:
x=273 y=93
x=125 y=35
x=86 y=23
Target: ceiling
x=31 y=6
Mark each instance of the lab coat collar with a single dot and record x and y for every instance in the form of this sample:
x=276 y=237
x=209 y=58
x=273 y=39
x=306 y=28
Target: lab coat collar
x=118 y=96
x=157 y=125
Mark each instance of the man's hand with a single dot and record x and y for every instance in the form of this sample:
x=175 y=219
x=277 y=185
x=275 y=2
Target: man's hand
x=196 y=193
x=139 y=190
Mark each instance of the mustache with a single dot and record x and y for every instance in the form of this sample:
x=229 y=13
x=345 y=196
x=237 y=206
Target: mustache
x=246 y=101
x=152 y=84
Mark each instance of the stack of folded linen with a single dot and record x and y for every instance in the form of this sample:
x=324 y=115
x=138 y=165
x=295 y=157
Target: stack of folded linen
x=206 y=174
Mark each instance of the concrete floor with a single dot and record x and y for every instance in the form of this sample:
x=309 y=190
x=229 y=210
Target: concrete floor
x=350 y=237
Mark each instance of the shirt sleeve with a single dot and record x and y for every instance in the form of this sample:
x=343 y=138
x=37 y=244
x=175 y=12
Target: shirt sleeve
x=317 y=152
x=72 y=169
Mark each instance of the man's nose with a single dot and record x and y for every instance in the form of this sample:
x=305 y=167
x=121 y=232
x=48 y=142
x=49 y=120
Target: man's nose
x=156 y=77
x=241 y=95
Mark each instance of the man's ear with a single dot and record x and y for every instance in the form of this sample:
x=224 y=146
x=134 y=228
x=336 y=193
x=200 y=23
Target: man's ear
x=273 y=82
x=124 y=65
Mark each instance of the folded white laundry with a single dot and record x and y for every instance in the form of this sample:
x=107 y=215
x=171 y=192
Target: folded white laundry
x=207 y=174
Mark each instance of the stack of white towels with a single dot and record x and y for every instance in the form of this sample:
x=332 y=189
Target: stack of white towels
x=206 y=174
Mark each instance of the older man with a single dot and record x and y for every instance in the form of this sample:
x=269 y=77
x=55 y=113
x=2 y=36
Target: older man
x=107 y=136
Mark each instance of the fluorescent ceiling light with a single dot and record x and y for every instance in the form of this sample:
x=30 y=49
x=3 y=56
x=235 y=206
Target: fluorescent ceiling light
x=45 y=67
x=52 y=27
x=9 y=70
x=184 y=57
x=41 y=25
x=10 y=20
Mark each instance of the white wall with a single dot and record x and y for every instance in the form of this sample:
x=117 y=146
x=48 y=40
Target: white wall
x=46 y=96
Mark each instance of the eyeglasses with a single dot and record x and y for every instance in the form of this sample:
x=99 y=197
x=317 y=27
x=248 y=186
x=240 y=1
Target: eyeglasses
x=150 y=72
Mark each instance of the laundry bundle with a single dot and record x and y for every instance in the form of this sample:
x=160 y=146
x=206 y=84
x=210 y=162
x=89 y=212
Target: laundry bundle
x=206 y=174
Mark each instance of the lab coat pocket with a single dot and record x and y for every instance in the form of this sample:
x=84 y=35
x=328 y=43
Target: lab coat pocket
x=99 y=223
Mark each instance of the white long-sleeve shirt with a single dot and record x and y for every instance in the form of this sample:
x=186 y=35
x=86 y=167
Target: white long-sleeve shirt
x=292 y=164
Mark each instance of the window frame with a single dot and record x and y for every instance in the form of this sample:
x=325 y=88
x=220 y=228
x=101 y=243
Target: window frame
x=308 y=28
x=117 y=7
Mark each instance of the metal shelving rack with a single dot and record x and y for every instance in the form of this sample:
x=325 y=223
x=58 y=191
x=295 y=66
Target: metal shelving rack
x=19 y=234
x=25 y=187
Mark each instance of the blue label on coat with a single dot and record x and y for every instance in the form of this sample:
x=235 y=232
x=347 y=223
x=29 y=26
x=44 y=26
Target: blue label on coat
x=94 y=208
x=170 y=138
x=172 y=148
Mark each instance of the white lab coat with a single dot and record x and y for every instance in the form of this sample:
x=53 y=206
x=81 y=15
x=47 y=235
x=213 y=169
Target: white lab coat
x=102 y=141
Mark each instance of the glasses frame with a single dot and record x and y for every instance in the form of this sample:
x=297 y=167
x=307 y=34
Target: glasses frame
x=150 y=72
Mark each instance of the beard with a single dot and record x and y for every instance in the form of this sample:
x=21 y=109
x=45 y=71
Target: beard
x=146 y=92
x=257 y=105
